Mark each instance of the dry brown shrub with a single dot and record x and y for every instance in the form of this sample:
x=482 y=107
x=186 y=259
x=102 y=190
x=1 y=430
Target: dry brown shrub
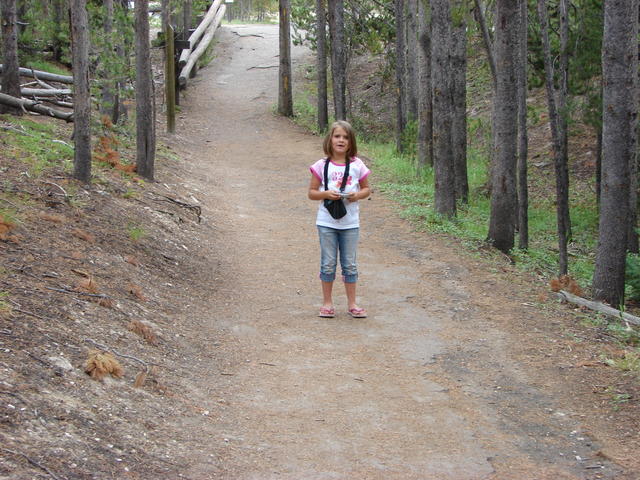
x=105 y=302
x=52 y=217
x=145 y=331
x=82 y=235
x=136 y=291
x=140 y=379
x=100 y=363
x=88 y=285
x=5 y=227
x=132 y=260
x=566 y=283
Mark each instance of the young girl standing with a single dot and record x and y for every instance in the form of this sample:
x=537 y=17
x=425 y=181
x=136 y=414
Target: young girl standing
x=339 y=235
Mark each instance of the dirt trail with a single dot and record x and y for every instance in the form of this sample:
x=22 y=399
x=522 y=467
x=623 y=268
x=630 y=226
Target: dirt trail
x=435 y=384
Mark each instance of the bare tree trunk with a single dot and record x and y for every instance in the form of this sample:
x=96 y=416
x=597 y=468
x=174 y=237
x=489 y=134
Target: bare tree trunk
x=411 y=70
x=338 y=58
x=11 y=69
x=321 y=32
x=441 y=44
x=486 y=36
x=619 y=115
x=459 y=100
x=81 y=94
x=58 y=19
x=505 y=117
x=186 y=19
x=425 y=118
x=145 y=109
x=557 y=119
x=285 y=96
x=107 y=106
x=523 y=139
x=401 y=106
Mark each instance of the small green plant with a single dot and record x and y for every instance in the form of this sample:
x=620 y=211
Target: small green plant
x=5 y=307
x=136 y=232
x=617 y=398
x=632 y=279
x=130 y=194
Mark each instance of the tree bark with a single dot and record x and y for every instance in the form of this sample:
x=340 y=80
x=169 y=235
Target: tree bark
x=459 y=100
x=425 y=118
x=557 y=118
x=619 y=125
x=10 y=72
x=338 y=58
x=81 y=93
x=441 y=74
x=503 y=182
x=321 y=33
x=486 y=37
x=401 y=95
x=523 y=139
x=145 y=110
x=285 y=95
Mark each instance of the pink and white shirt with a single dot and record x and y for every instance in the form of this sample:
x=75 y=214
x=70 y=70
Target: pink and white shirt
x=357 y=171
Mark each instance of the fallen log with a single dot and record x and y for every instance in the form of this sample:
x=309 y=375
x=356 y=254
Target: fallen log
x=52 y=77
x=36 y=107
x=195 y=36
x=44 y=92
x=202 y=47
x=597 y=306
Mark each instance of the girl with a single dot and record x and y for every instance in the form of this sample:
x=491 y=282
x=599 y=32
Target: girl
x=339 y=235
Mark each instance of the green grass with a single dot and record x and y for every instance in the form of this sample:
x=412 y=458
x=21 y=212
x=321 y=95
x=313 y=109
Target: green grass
x=43 y=65
x=395 y=176
x=136 y=232
x=37 y=145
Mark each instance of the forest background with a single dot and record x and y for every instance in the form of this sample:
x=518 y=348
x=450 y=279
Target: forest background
x=387 y=85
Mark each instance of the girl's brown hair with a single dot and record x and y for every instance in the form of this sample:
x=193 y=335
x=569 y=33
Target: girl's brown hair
x=352 y=151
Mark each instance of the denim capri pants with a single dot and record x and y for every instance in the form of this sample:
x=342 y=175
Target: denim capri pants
x=344 y=242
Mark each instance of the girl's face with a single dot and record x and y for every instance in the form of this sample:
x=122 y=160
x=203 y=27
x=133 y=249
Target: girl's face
x=339 y=141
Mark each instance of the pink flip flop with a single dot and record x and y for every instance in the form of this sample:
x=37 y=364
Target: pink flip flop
x=358 y=312
x=327 y=312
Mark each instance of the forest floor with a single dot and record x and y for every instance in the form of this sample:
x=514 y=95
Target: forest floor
x=203 y=286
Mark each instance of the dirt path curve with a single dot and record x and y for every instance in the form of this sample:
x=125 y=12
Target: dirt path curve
x=428 y=387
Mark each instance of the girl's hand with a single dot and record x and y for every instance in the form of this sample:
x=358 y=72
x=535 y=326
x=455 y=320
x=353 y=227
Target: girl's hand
x=332 y=195
x=353 y=197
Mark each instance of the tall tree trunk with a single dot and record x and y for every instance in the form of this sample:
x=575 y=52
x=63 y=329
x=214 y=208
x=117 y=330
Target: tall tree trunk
x=505 y=117
x=459 y=100
x=186 y=19
x=107 y=105
x=425 y=118
x=401 y=96
x=338 y=58
x=619 y=124
x=411 y=70
x=441 y=45
x=523 y=139
x=11 y=69
x=486 y=37
x=81 y=94
x=58 y=19
x=321 y=33
x=557 y=118
x=285 y=95
x=145 y=109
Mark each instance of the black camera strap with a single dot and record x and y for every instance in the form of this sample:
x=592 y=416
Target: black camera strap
x=344 y=178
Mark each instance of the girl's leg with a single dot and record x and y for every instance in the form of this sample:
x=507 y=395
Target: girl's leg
x=328 y=261
x=348 y=244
